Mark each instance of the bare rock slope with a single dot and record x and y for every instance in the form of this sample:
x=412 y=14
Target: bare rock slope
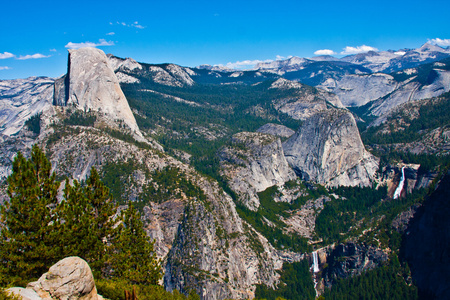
x=91 y=85
x=254 y=162
x=327 y=149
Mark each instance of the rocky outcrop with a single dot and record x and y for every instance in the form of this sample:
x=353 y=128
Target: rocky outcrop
x=276 y=129
x=347 y=260
x=21 y=99
x=427 y=243
x=303 y=220
x=69 y=279
x=254 y=162
x=306 y=102
x=357 y=90
x=327 y=149
x=91 y=85
x=201 y=240
x=218 y=254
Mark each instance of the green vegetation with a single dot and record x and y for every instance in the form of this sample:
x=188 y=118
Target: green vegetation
x=81 y=118
x=340 y=214
x=428 y=162
x=27 y=242
x=132 y=255
x=216 y=112
x=116 y=176
x=39 y=230
x=296 y=283
x=386 y=282
x=267 y=221
x=431 y=116
x=33 y=124
x=167 y=183
x=425 y=73
x=116 y=289
x=6 y=296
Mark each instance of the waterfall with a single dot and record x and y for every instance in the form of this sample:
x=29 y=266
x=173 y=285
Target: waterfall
x=315 y=262
x=399 y=189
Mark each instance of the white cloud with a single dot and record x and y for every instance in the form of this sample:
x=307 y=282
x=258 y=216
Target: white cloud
x=324 y=52
x=5 y=68
x=245 y=64
x=111 y=33
x=33 y=56
x=440 y=42
x=101 y=42
x=279 y=57
x=400 y=53
x=359 y=49
x=53 y=50
x=134 y=24
x=6 y=55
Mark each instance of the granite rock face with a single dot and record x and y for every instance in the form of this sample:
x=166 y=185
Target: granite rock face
x=276 y=129
x=347 y=260
x=327 y=149
x=254 y=162
x=201 y=240
x=357 y=90
x=306 y=102
x=427 y=243
x=22 y=99
x=91 y=85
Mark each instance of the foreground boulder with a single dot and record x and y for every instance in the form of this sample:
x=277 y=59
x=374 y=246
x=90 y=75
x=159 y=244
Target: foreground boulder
x=69 y=279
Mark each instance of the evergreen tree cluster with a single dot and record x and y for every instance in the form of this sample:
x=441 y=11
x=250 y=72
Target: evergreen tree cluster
x=38 y=229
x=296 y=283
x=386 y=282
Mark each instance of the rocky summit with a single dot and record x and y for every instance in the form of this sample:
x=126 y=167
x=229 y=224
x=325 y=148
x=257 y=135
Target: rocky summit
x=327 y=149
x=92 y=85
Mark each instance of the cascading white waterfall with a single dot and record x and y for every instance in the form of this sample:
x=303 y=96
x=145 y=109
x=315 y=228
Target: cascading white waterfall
x=315 y=262
x=398 y=190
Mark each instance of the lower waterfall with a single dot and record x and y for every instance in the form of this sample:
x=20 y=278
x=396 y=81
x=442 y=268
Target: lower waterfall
x=399 y=189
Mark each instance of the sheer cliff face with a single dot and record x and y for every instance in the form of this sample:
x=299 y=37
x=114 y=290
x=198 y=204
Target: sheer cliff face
x=327 y=149
x=91 y=85
x=254 y=162
x=427 y=243
x=202 y=241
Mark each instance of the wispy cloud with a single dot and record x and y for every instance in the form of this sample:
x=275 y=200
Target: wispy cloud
x=440 y=42
x=325 y=52
x=250 y=64
x=53 y=50
x=245 y=64
x=111 y=33
x=33 y=56
x=134 y=24
x=101 y=42
x=5 y=55
x=279 y=57
x=5 y=68
x=359 y=49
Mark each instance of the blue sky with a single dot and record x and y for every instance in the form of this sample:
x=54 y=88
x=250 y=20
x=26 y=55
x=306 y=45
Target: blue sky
x=35 y=35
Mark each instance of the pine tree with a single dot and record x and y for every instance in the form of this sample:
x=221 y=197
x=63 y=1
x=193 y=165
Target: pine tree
x=87 y=220
x=102 y=211
x=76 y=236
x=27 y=240
x=132 y=253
